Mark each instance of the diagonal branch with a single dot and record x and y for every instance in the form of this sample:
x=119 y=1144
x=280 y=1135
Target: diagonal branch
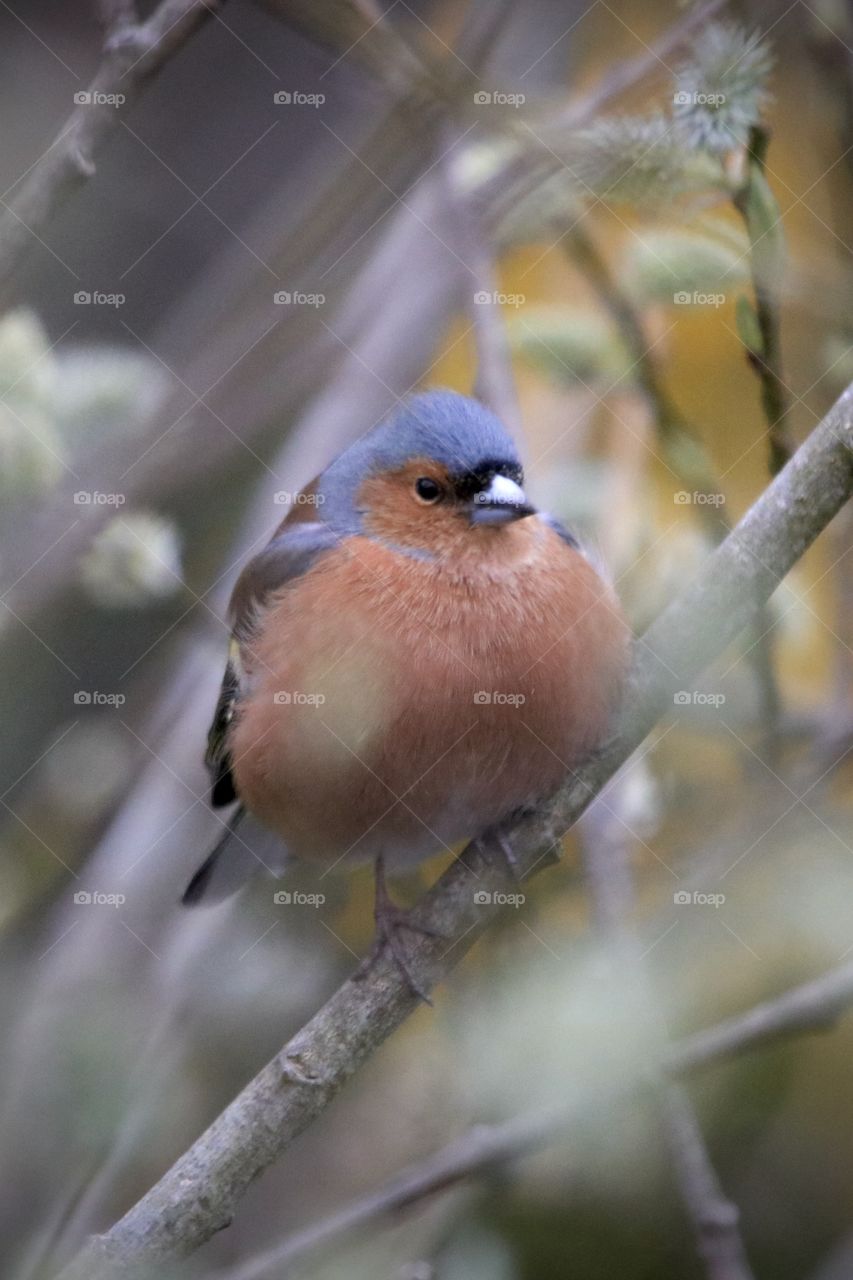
x=682 y=449
x=200 y=1193
x=812 y=1006
x=611 y=884
x=133 y=53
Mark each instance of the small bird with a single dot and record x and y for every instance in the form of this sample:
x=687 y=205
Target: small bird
x=416 y=656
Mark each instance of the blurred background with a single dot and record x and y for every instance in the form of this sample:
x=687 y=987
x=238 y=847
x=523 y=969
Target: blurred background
x=308 y=212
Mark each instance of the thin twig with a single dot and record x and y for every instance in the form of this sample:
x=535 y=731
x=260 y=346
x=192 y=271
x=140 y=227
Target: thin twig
x=483 y=28
x=810 y=1007
x=357 y=29
x=117 y=16
x=476 y=1151
x=813 y=1006
x=683 y=451
x=200 y=1193
x=132 y=55
x=714 y=1220
x=526 y=171
x=625 y=75
x=494 y=384
x=681 y=443
x=762 y=218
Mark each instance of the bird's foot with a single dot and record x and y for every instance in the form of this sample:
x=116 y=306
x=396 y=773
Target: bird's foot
x=391 y=922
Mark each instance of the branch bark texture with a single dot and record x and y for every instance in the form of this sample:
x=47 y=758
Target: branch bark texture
x=133 y=53
x=812 y=1006
x=199 y=1194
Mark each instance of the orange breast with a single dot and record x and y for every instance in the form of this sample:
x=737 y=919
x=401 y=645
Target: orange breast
x=399 y=705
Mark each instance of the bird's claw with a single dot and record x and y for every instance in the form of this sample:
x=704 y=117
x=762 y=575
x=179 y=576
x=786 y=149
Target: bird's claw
x=391 y=920
x=391 y=923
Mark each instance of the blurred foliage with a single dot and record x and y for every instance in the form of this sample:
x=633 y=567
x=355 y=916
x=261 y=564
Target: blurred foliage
x=30 y=459
x=571 y=345
x=130 y=1025
x=721 y=87
x=704 y=258
x=52 y=399
x=134 y=559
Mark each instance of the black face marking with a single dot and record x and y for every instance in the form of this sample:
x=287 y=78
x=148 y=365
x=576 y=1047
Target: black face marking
x=468 y=483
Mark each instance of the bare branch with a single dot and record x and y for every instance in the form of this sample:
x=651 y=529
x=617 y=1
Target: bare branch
x=624 y=75
x=495 y=384
x=474 y=1152
x=525 y=172
x=714 y=1219
x=813 y=1006
x=199 y=1194
x=132 y=55
x=763 y=221
x=682 y=448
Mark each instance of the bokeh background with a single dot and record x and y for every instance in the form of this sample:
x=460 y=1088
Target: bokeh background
x=149 y=438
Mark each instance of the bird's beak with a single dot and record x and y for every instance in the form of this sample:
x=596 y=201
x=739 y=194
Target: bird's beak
x=502 y=501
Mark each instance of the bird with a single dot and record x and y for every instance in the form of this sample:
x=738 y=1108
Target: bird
x=417 y=655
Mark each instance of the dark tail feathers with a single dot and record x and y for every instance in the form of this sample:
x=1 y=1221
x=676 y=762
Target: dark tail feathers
x=201 y=887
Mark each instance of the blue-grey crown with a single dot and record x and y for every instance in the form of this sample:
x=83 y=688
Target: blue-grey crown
x=454 y=430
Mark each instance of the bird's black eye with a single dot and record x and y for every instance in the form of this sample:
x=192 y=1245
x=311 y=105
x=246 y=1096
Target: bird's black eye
x=427 y=489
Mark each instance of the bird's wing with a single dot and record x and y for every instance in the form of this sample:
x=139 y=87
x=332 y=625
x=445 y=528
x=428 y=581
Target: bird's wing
x=294 y=549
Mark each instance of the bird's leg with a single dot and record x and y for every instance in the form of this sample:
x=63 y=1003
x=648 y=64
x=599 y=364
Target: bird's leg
x=391 y=919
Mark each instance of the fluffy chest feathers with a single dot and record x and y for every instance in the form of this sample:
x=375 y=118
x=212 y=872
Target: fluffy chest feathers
x=396 y=705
